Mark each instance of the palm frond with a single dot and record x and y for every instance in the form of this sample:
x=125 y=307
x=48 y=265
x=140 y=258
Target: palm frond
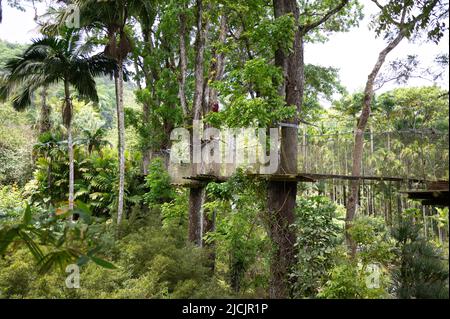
x=100 y=64
x=23 y=99
x=83 y=81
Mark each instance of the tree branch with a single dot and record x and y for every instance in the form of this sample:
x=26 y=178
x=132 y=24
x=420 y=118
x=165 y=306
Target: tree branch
x=327 y=16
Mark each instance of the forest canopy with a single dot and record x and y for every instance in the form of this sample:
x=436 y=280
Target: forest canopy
x=93 y=203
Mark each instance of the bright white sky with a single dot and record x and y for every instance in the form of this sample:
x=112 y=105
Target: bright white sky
x=354 y=52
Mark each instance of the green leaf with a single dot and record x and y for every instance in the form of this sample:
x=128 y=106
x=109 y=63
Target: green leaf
x=84 y=211
x=83 y=260
x=6 y=238
x=103 y=263
x=32 y=246
x=27 y=215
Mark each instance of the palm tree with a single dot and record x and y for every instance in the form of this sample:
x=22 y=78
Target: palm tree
x=53 y=60
x=95 y=139
x=111 y=17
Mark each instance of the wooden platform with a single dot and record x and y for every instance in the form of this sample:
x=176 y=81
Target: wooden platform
x=305 y=177
x=436 y=194
x=268 y=177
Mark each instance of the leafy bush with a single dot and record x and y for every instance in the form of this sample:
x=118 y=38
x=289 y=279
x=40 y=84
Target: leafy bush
x=10 y=201
x=151 y=262
x=366 y=276
x=350 y=281
x=53 y=239
x=16 y=143
x=15 y=276
x=96 y=178
x=175 y=214
x=373 y=240
x=420 y=271
x=317 y=239
x=240 y=238
x=158 y=183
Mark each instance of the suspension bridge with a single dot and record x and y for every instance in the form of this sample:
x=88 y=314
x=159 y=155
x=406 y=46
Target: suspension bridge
x=413 y=162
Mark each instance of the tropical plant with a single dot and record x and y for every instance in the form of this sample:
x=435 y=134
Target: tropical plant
x=158 y=182
x=111 y=17
x=317 y=240
x=52 y=239
x=421 y=272
x=52 y=60
x=94 y=139
x=348 y=281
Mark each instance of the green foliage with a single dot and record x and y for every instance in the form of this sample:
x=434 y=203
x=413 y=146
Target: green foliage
x=428 y=23
x=272 y=35
x=174 y=214
x=48 y=61
x=342 y=21
x=416 y=107
x=239 y=237
x=152 y=127
x=409 y=132
x=262 y=111
x=53 y=239
x=95 y=174
x=152 y=257
x=10 y=201
x=420 y=269
x=150 y=263
x=320 y=83
x=351 y=105
x=373 y=240
x=16 y=142
x=442 y=217
x=8 y=51
x=318 y=236
x=367 y=275
x=158 y=183
x=348 y=281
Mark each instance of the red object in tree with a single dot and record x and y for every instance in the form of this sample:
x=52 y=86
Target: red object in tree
x=215 y=107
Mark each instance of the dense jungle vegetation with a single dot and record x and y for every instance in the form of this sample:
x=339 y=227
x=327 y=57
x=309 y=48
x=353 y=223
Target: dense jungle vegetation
x=85 y=123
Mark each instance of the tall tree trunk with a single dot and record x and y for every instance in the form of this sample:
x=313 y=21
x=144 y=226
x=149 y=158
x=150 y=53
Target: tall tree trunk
x=195 y=217
x=196 y=194
x=67 y=121
x=151 y=75
x=71 y=168
x=282 y=195
x=121 y=136
x=216 y=74
x=45 y=124
x=146 y=153
x=183 y=63
x=359 y=140
x=390 y=205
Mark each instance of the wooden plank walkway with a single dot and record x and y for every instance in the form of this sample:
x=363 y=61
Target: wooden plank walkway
x=436 y=193
x=306 y=177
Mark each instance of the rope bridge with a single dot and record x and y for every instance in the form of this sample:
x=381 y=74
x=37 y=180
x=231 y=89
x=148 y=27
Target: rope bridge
x=414 y=156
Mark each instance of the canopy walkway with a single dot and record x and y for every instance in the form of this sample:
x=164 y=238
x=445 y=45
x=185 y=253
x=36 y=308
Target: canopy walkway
x=408 y=159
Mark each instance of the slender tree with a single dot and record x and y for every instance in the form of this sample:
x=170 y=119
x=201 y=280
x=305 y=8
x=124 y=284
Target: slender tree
x=196 y=194
x=112 y=17
x=49 y=61
x=396 y=21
